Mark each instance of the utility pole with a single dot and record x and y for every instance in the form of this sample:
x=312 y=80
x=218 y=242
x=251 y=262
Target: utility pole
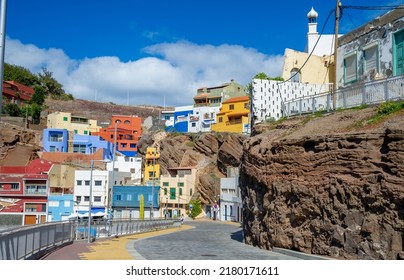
x=152 y=190
x=2 y=47
x=111 y=188
x=334 y=96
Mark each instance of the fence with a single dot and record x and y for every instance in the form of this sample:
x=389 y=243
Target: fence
x=374 y=92
x=32 y=242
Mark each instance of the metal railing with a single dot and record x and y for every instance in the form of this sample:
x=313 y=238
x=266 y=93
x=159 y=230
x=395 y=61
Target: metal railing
x=390 y=89
x=33 y=242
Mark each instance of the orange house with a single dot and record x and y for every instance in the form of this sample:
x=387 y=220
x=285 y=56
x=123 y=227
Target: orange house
x=128 y=130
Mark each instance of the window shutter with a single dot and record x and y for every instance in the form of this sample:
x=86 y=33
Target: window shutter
x=370 y=56
x=350 y=68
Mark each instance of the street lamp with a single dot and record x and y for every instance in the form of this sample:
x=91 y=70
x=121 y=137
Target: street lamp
x=91 y=197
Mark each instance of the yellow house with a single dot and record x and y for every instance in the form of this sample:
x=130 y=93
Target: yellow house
x=152 y=165
x=176 y=190
x=233 y=115
x=76 y=124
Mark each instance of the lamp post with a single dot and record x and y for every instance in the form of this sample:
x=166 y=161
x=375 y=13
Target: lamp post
x=89 y=202
x=91 y=197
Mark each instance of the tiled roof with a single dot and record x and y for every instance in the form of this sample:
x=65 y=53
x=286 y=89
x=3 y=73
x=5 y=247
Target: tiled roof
x=236 y=99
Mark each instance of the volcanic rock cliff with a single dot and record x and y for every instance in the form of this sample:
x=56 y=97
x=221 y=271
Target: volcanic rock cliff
x=331 y=192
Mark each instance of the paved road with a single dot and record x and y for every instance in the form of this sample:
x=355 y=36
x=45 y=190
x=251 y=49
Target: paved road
x=205 y=241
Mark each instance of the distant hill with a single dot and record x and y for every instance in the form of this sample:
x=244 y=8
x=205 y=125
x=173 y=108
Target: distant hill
x=98 y=110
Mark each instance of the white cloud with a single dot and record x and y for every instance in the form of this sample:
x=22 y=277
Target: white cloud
x=171 y=72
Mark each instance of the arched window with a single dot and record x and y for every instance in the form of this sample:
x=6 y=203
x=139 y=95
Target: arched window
x=127 y=122
x=118 y=121
x=295 y=75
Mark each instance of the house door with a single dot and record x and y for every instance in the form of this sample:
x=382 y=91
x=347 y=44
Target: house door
x=399 y=53
x=30 y=220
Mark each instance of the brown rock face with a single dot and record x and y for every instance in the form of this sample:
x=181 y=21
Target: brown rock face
x=211 y=153
x=340 y=196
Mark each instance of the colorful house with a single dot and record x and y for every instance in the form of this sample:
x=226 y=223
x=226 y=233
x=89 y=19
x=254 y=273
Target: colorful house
x=25 y=188
x=152 y=165
x=233 y=116
x=60 y=207
x=126 y=131
x=176 y=190
x=127 y=200
x=75 y=124
x=17 y=93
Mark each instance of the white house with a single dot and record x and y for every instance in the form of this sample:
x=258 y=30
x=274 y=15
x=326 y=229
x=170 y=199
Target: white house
x=133 y=165
x=100 y=185
x=230 y=198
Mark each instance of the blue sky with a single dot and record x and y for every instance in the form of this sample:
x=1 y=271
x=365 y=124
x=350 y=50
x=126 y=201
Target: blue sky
x=159 y=52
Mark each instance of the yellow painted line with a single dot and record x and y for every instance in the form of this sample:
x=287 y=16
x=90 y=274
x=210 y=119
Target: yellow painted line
x=115 y=248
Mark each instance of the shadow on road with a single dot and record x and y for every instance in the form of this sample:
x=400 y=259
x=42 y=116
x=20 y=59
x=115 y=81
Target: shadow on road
x=238 y=235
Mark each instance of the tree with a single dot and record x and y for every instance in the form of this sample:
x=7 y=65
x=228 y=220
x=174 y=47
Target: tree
x=51 y=86
x=39 y=96
x=13 y=110
x=196 y=208
x=20 y=75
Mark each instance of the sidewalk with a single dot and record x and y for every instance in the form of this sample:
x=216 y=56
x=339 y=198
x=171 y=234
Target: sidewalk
x=114 y=248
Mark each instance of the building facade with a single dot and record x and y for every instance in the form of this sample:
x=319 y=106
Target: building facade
x=74 y=124
x=176 y=190
x=135 y=202
x=230 y=197
x=373 y=51
x=151 y=166
x=60 y=207
x=125 y=131
x=25 y=190
x=233 y=116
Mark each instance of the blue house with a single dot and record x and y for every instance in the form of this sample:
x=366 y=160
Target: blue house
x=126 y=201
x=88 y=144
x=55 y=140
x=181 y=118
x=60 y=206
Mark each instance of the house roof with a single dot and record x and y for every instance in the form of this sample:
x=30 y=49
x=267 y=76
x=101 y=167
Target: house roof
x=236 y=99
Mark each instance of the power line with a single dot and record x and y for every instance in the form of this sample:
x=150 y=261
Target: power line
x=391 y=7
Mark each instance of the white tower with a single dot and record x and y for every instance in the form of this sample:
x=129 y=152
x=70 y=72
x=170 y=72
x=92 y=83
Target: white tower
x=312 y=35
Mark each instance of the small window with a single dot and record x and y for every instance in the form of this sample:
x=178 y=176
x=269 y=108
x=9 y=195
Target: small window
x=172 y=193
x=165 y=191
x=295 y=75
x=85 y=132
x=220 y=119
x=231 y=107
x=165 y=184
x=180 y=184
x=97 y=183
x=15 y=186
x=79 y=182
x=65 y=119
x=128 y=197
x=180 y=191
x=118 y=197
x=97 y=198
x=78 y=199
x=87 y=182
x=86 y=198
x=126 y=122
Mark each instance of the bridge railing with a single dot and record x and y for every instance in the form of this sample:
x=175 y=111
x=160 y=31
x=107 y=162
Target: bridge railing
x=33 y=242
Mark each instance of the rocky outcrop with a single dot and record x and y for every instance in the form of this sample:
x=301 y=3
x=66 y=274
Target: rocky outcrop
x=336 y=195
x=211 y=153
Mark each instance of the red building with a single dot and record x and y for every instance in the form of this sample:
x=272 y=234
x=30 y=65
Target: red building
x=128 y=131
x=24 y=192
x=17 y=93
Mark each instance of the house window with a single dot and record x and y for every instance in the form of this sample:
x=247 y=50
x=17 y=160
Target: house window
x=87 y=182
x=97 y=198
x=128 y=197
x=126 y=122
x=190 y=192
x=220 y=119
x=79 y=182
x=97 y=183
x=86 y=198
x=85 y=132
x=78 y=199
x=15 y=186
x=295 y=75
x=165 y=191
x=65 y=119
x=172 y=193
x=132 y=145
x=165 y=184
x=118 y=197
x=179 y=191
x=52 y=149
x=350 y=69
x=370 y=57
x=180 y=184
x=77 y=148
x=231 y=107
x=66 y=203
x=76 y=131
x=193 y=124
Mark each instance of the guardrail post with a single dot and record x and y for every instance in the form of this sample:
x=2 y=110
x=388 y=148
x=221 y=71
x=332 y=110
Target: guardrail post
x=363 y=95
x=300 y=107
x=313 y=104
x=328 y=101
x=386 y=90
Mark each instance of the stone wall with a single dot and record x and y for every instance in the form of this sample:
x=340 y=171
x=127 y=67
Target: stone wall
x=340 y=196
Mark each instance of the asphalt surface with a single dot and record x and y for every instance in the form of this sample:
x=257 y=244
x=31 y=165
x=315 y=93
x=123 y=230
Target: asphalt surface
x=204 y=241
x=195 y=240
